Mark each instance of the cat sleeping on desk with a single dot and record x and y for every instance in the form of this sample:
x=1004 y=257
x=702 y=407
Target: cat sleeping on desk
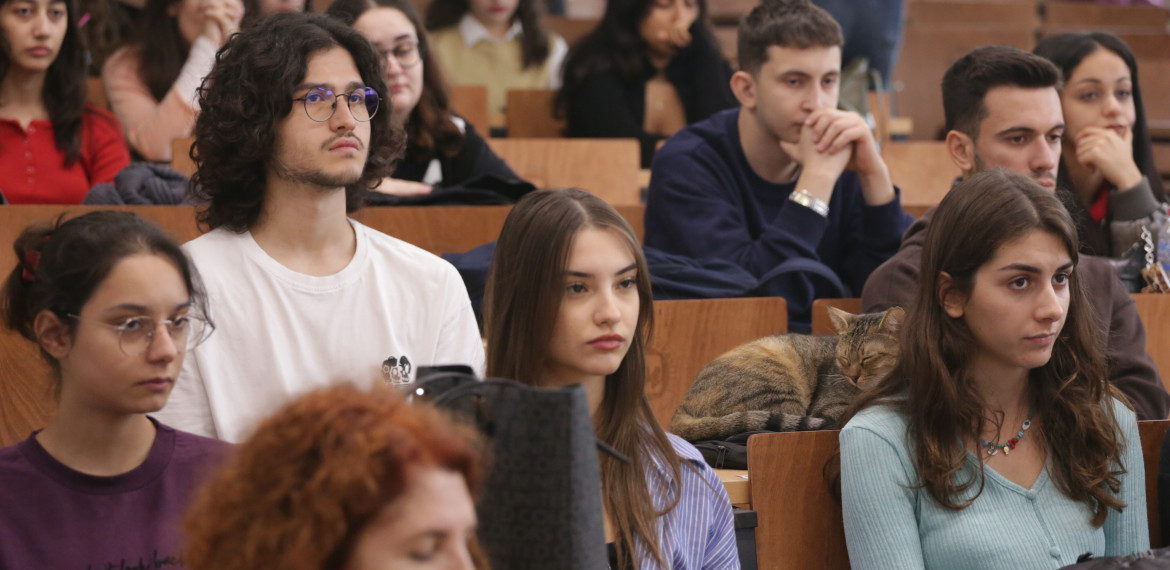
x=790 y=382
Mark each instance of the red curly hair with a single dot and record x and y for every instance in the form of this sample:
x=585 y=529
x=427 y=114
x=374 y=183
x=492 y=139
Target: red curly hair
x=298 y=493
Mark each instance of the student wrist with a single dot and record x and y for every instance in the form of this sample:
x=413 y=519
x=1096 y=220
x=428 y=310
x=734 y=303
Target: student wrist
x=806 y=199
x=1129 y=179
x=876 y=188
x=818 y=184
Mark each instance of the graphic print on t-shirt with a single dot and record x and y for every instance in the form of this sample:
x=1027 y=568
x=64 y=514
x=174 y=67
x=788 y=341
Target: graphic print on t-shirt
x=396 y=370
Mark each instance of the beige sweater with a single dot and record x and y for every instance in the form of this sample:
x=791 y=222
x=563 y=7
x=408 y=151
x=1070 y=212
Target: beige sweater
x=151 y=125
x=494 y=64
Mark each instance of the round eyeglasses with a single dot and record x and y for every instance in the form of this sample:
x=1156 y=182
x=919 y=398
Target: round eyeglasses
x=136 y=334
x=320 y=103
x=407 y=52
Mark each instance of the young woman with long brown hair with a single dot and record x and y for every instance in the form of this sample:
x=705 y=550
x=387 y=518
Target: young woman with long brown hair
x=568 y=302
x=1107 y=159
x=998 y=441
x=54 y=146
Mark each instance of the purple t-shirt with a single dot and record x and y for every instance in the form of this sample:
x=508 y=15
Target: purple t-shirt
x=54 y=517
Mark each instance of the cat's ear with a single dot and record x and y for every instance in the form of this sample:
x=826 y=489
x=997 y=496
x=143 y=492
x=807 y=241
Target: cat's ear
x=953 y=301
x=841 y=320
x=892 y=319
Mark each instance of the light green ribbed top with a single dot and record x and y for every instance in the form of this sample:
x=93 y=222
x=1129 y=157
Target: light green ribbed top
x=889 y=524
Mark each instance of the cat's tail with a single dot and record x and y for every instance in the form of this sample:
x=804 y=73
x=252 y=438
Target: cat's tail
x=692 y=428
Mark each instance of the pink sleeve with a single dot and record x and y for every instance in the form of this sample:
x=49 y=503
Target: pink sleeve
x=150 y=125
x=104 y=151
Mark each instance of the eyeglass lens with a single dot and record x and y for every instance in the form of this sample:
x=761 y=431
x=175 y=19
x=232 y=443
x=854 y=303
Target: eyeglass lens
x=136 y=334
x=320 y=103
x=406 y=52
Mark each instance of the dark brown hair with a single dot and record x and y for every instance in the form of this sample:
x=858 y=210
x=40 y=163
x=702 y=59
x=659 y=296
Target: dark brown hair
x=523 y=296
x=966 y=83
x=298 y=493
x=61 y=264
x=617 y=45
x=932 y=386
x=162 y=50
x=65 y=87
x=250 y=89
x=429 y=127
x=1067 y=51
x=795 y=24
x=533 y=36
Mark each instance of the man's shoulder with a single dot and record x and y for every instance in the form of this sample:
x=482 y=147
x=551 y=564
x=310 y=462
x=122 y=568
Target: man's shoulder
x=213 y=244
x=1097 y=271
x=1101 y=284
x=711 y=137
x=387 y=249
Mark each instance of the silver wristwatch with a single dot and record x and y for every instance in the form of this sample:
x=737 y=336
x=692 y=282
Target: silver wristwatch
x=804 y=198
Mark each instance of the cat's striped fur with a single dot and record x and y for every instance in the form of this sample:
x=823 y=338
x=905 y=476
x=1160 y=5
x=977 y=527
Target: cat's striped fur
x=790 y=382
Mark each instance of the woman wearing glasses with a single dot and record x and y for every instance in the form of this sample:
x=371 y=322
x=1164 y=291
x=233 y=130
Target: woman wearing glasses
x=113 y=305
x=442 y=149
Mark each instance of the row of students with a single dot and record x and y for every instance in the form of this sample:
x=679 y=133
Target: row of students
x=152 y=83
x=303 y=298
x=1003 y=111
x=280 y=208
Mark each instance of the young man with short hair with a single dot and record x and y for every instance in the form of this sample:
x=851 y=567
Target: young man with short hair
x=294 y=129
x=786 y=180
x=1003 y=111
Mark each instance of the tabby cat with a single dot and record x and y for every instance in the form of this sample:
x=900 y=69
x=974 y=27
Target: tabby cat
x=790 y=382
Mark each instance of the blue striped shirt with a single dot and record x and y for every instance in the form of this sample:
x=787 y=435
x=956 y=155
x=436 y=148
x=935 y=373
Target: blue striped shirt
x=699 y=533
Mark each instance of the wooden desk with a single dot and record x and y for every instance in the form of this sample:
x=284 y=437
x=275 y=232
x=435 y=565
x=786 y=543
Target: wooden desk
x=736 y=483
x=1160 y=130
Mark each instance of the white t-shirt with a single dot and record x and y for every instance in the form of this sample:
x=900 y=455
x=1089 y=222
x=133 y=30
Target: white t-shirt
x=279 y=333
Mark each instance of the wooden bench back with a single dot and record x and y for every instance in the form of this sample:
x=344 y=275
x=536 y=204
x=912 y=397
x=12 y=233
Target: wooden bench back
x=530 y=114
x=1155 y=313
x=800 y=524
x=471 y=103
x=606 y=167
x=689 y=334
x=928 y=51
x=1152 y=433
x=923 y=170
x=821 y=324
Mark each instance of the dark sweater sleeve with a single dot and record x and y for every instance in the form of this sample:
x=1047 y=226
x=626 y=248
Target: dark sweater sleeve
x=1130 y=367
x=475 y=159
x=872 y=234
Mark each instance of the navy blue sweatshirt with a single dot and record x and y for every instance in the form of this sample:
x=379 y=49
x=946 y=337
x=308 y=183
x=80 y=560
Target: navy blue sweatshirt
x=705 y=201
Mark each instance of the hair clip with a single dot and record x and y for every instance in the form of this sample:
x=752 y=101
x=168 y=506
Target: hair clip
x=83 y=20
x=32 y=258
